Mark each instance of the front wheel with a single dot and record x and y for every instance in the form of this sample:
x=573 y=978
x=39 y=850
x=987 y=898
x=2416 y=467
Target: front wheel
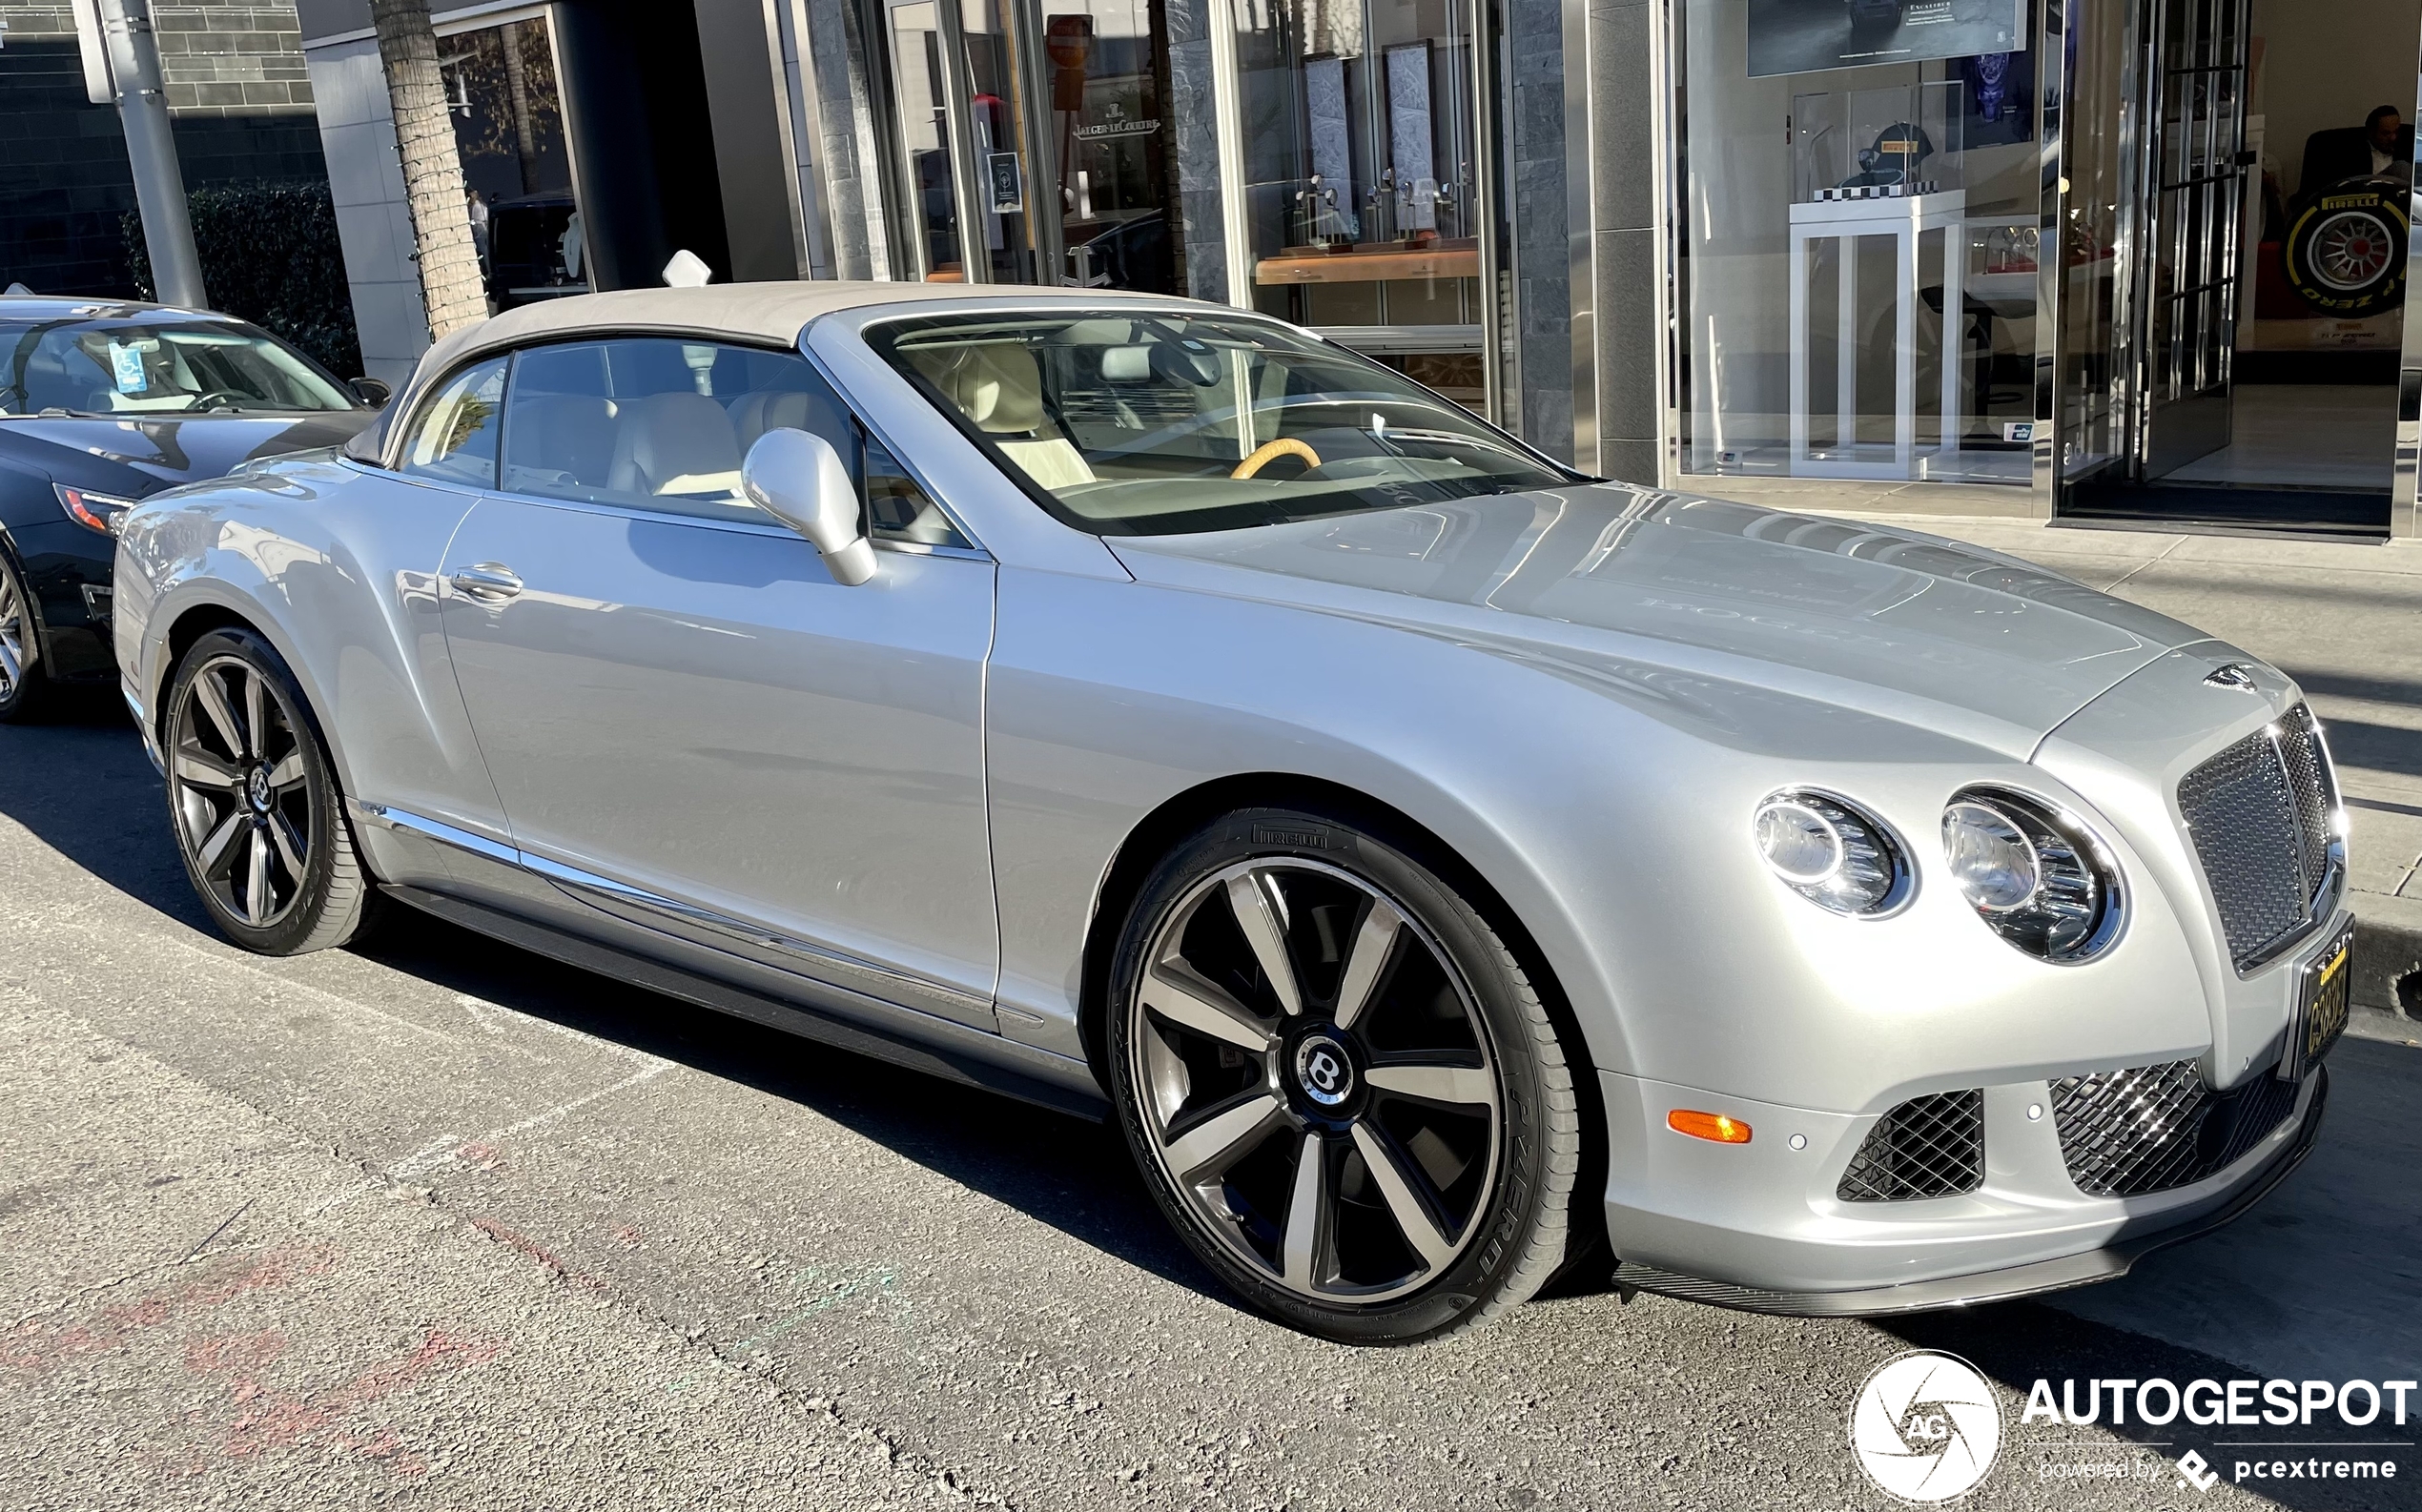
x=1340 y=1084
x=255 y=804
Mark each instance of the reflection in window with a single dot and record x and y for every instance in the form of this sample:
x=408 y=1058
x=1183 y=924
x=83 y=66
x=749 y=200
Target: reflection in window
x=509 y=129
x=455 y=440
x=1359 y=160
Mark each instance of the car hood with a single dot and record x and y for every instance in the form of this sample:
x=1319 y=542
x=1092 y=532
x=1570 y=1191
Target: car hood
x=183 y=449
x=1964 y=641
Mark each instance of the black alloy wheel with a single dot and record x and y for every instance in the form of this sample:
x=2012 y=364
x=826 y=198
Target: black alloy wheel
x=1341 y=1086
x=24 y=684
x=255 y=803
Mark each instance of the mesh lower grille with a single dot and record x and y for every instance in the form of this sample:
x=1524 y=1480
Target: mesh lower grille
x=1927 y=1147
x=2259 y=815
x=2151 y=1128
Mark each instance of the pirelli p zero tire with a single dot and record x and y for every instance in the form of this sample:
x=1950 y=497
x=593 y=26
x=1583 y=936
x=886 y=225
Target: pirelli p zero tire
x=1341 y=1086
x=2346 y=251
x=255 y=803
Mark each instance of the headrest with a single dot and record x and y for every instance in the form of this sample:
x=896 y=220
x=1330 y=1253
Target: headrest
x=572 y=433
x=665 y=436
x=753 y=415
x=997 y=385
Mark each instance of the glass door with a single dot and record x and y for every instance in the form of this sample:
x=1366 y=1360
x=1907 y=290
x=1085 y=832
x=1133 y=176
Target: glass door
x=2150 y=238
x=2197 y=183
x=1032 y=141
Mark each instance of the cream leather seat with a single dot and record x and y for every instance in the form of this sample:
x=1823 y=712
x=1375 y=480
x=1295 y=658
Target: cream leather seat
x=557 y=438
x=754 y=414
x=997 y=386
x=675 y=443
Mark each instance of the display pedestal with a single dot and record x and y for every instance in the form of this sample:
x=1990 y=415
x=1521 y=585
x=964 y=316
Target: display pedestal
x=1909 y=220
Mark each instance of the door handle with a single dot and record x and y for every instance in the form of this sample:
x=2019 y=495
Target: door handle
x=489 y=581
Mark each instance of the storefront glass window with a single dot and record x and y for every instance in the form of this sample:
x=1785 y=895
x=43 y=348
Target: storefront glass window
x=1047 y=120
x=1360 y=158
x=508 y=126
x=1858 y=239
x=1116 y=186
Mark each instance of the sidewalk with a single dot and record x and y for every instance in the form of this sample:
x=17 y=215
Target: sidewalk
x=2344 y=621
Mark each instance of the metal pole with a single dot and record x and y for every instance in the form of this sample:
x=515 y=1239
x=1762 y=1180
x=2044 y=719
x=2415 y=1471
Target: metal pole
x=159 y=186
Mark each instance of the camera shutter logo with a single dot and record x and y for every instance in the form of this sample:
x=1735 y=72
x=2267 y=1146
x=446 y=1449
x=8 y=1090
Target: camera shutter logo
x=1925 y=1426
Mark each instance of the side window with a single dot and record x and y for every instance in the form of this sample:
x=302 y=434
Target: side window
x=454 y=438
x=896 y=508
x=664 y=424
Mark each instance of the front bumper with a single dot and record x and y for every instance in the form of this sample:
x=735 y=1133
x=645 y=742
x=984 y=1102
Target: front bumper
x=2229 y=1195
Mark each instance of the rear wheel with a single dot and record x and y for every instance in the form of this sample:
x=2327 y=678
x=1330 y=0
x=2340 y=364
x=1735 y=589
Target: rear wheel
x=24 y=685
x=255 y=803
x=1340 y=1084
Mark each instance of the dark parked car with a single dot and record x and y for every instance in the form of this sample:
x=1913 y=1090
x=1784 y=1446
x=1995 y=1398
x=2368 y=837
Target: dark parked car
x=103 y=403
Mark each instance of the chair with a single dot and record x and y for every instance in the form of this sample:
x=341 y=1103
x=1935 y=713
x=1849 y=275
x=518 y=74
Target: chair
x=999 y=387
x=674 y=444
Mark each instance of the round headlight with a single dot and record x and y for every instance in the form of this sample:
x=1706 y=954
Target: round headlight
x=2038 y=876
x=1831 y=853
x=1991 y=858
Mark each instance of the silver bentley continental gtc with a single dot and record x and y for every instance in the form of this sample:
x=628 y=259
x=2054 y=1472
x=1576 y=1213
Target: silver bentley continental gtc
x=1443 y=866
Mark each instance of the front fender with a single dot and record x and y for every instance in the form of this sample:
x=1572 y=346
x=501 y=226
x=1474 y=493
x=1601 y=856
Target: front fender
x=1606 y=804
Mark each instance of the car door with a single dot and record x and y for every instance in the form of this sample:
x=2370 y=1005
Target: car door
x=393 y=706
x=690 y=724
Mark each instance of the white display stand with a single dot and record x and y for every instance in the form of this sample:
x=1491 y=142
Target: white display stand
x=1906 y=219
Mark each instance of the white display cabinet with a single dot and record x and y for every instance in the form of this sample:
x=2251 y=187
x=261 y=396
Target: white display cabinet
x=1872 y=167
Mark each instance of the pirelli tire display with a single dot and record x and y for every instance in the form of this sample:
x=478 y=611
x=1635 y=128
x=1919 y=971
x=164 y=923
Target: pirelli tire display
x=2345 y=248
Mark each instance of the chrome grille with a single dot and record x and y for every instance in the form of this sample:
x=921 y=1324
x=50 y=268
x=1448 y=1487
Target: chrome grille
x=1927 y=1147
x=2151 y=1128
x=2260 y=816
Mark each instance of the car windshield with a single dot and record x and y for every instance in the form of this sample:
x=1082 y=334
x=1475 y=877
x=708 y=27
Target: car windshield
x=1152 y=423
x=129 y=367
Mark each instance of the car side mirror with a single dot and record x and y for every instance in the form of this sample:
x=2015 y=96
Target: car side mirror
x=372 y=392
x=796 y=476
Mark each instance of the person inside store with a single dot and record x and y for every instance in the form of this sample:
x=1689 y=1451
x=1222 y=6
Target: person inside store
x=2383 y=144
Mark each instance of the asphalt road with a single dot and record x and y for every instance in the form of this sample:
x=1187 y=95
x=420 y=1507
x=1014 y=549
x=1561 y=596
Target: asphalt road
x=438 y=1223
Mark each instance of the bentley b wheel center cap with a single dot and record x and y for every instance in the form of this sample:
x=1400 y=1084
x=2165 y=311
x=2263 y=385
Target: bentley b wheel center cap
x=256 y=789
x=1323 y=1071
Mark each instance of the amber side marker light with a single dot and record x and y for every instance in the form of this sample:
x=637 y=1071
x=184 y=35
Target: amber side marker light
x=1708 y=1126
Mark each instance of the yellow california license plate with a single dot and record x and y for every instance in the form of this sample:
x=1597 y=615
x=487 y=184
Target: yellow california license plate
x=2321 y=1013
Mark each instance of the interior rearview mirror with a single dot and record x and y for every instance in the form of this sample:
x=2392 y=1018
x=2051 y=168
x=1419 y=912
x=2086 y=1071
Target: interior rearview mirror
x=796 y=476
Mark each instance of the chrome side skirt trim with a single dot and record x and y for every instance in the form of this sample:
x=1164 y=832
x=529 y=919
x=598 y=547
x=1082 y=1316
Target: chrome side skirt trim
x=970 y=1057
x=766 y=946
x=443 y=834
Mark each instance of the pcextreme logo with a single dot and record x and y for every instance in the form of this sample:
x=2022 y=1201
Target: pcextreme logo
x=1925 y=1426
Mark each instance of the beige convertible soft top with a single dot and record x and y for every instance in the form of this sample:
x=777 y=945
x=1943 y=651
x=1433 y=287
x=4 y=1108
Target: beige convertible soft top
x=772 y=312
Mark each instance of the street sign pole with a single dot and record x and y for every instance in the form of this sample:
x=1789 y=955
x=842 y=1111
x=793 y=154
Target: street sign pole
x=131 y=56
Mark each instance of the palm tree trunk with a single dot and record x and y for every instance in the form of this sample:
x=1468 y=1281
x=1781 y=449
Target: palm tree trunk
x=432 y=169
x=517 y=89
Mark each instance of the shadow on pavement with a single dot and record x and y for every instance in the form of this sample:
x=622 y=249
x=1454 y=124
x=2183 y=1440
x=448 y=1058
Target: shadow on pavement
x=80 y=782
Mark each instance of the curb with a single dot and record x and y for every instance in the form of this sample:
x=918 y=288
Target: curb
x=2384 y=953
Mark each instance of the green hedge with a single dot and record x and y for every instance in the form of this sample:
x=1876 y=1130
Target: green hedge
x=270 y=255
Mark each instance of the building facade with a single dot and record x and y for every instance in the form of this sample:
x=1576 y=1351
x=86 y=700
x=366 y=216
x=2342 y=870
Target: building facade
x=2104 y=258
x=239 y=104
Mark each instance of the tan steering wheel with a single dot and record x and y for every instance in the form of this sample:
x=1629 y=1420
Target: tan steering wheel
x=1269 y=452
